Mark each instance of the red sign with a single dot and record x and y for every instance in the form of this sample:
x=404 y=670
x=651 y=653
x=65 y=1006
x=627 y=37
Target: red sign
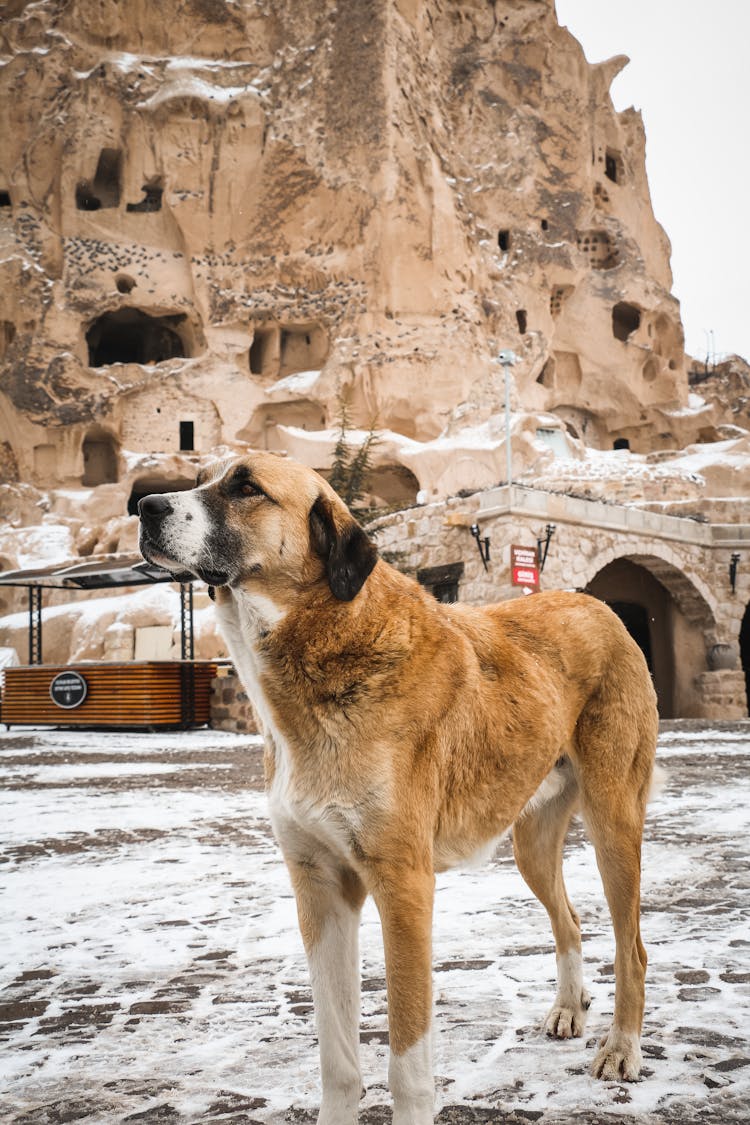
x=524 y=567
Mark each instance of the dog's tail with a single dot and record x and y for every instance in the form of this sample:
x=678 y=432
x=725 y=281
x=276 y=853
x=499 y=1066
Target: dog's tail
x=659 y=779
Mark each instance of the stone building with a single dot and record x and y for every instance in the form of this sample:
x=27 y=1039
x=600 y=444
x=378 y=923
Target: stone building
x=217 y=217
x=668 y=578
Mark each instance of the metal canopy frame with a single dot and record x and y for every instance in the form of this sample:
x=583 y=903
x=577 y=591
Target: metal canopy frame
x=105 y=573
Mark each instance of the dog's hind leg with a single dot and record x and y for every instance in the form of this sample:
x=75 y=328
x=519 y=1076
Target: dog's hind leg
x=616 y=835
x=614 y=753
x=329 y=902
x=538 y=839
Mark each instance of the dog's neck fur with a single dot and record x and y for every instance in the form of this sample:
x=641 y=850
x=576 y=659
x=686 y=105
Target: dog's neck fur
x=286 y=659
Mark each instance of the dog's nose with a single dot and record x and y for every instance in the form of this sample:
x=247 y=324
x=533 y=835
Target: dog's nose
x=154 y=507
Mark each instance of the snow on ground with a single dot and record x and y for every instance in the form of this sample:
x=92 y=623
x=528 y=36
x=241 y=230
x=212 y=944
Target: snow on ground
x=152 y=968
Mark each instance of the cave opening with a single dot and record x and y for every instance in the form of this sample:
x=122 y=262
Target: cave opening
x=152 y=195
x=613 y=166
x=104 y=190
x=132 y=336
x=626 y=319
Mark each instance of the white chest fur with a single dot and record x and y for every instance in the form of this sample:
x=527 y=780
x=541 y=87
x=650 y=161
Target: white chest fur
x=304 y=816
x=243 y=621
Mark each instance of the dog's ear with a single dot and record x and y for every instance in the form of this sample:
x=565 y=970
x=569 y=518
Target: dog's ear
x=345 y=548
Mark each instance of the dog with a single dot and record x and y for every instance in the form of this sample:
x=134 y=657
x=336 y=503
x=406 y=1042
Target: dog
x=403 y=737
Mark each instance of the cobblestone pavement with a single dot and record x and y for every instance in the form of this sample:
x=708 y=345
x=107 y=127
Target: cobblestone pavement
x=152 y=971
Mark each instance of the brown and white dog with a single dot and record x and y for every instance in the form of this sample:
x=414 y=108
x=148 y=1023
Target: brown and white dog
x=403 y=737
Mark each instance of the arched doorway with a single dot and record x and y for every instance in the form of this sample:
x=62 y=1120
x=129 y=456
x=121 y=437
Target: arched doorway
x=644 y=606
x=635 y=618
x=99 y=450
x=745 y=651
x=670 y=619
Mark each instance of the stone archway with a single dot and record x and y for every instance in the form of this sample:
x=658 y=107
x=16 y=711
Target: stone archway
x=669 y=618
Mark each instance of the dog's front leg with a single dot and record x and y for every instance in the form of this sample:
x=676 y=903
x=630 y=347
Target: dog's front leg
x=404 y=899
x=329 y=902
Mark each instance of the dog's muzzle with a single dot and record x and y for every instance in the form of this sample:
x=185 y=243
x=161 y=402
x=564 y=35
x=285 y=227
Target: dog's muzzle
x=160 y=545
x=153 y=511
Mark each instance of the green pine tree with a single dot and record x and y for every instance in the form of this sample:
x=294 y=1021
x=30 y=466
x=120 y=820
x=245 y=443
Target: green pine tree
x=349 y=471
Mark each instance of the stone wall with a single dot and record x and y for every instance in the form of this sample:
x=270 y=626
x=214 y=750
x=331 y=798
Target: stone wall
x=688 y=560
x=230 y=707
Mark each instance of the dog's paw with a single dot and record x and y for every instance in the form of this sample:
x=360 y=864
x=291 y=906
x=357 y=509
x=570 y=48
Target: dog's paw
x=567 y=1021
x=618 y=1058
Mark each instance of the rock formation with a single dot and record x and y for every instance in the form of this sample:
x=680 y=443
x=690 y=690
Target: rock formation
x=217 y=216
x=204 y=200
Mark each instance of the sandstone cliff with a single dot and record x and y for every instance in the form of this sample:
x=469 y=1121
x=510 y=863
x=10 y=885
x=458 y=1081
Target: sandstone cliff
x=215 y=213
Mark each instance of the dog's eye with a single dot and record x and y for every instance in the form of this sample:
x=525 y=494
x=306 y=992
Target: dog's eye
x=248 y=489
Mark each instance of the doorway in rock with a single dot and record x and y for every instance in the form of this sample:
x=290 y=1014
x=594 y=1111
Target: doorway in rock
x=646 y=609
x=99 y=451
x=635 y=619
x=745 y=652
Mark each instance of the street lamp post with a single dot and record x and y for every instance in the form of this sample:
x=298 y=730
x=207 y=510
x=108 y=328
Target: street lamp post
x=507 y=359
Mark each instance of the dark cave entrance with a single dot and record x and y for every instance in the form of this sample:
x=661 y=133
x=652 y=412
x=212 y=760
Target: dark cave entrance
x=132 y=336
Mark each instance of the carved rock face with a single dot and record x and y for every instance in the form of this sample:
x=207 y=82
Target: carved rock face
x=222 y=200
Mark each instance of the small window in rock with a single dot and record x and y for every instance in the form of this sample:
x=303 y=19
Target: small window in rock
x=124 y=283
x=521 y=319
x=613 y=166
x=5 y=200
x=621 y=443
x=545 y=224
x=503 y=240
x=187 y=436
x=626 y=319
x=151 y=201
x=446 y=592
x=442 y=581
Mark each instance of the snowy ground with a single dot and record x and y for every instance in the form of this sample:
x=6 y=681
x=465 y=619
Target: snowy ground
x=152 y=970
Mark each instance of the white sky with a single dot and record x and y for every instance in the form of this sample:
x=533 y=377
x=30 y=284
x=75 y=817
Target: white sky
x=689 y=74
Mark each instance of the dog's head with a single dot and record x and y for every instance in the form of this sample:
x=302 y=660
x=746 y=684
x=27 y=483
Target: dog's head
x=259 y=519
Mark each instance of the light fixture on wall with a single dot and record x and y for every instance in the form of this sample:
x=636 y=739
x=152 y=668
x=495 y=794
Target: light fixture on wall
x=733 y=564
x=542 y=544
x=482 y=544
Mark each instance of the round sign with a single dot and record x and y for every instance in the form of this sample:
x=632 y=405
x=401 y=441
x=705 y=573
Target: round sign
x=68 y=690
